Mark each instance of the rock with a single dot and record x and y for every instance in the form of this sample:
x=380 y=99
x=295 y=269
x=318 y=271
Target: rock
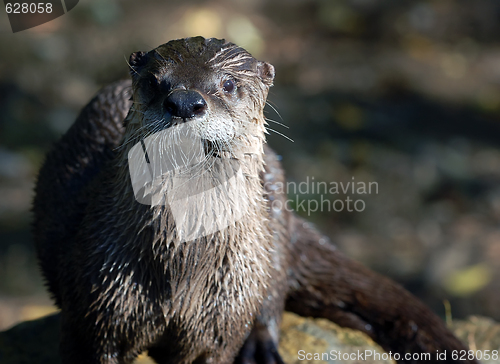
x=481 y=333
x=303 y=338
x=31 y=342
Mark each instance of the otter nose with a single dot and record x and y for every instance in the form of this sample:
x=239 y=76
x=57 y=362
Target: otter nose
x=185 y=104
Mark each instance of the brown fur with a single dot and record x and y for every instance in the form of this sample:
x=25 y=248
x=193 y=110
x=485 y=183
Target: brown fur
x=125 y=281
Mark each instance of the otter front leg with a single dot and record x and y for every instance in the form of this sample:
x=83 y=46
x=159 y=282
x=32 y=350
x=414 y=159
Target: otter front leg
x=259 y=347
x=111 y=341
x=325 y=283
x=82 y=347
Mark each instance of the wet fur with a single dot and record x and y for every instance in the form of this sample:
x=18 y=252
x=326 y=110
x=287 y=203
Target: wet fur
x=126 y=283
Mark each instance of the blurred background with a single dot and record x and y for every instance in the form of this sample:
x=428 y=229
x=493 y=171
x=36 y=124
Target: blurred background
x=404 y=93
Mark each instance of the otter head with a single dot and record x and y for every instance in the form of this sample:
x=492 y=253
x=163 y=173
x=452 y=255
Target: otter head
x=215 y=86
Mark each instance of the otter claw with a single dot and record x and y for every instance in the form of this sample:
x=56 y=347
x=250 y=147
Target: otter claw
x=259 y=348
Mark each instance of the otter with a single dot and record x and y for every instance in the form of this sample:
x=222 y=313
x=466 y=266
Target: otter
x=195 y=276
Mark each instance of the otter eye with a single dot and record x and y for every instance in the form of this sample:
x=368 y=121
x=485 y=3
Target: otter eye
x=228 y=86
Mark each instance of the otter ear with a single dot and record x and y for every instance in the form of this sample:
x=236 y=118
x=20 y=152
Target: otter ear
x=136 y=61
x=266 y=72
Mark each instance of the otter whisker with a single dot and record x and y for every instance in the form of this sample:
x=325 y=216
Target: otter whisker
x=283 y=135
x=142 y=132
x=277 y=122
x=270 y=104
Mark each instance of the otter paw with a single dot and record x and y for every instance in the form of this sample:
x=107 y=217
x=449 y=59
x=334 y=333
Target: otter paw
x=259 y=348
